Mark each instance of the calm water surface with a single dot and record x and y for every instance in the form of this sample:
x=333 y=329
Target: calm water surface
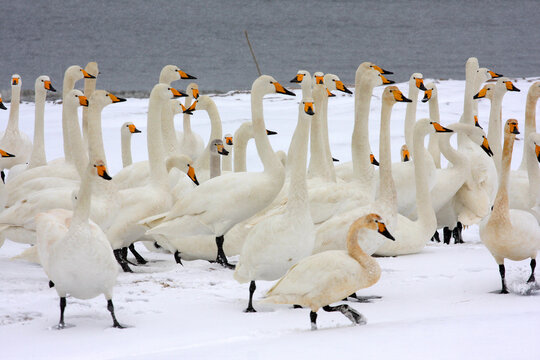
x=132 y=40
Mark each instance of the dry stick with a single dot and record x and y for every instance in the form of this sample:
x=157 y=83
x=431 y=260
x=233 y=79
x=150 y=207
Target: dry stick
x=252 y=53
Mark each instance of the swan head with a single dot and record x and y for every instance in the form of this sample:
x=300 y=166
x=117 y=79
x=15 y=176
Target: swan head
x=101 y=170
x=182 y=163
x=484 y=74
x=16 y=80
x=405 y=154
x=533 y=141
x=417 y=81
x=485 y=92
x=301 y=76
x=367 y=65
x=392 y=94
x=228 y=140
x=318 y=78
x=176 y=106
x=333 y=82
x=380 y=69
x=43 y=83
x=474 y=133
x=372 y=222
x=165 y=92
x=92 y=68
x=102 y=98
x=511 y=127
x=426 y=126
x=76 y=72
x=266 y=84
x=129 y=128
x=430 y=92
x=216 y=147
x=171 y=73
x=2 y=106
x=196 y=106
x=193 y=91
x=506 y=84
x=75 y=98
x=306 y=105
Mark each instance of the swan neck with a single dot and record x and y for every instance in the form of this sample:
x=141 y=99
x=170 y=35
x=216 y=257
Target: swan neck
x=530 y=123
x=68 y=85
x=126 y=148
x=239 y=150
x=495 y=128
x=89 y=88
x=13 y=122
x=96 y=149
x=318 y=164
x=388 y=194
x=81 y=212
x=410 y=116
x=371 y=266
x=156 y=155
x=226 y=162
x=501 y=207
x=425 y=211
x=170 y=141
x=215 y=164
x=360 y=147
x=297 y=160
x=38 y=157
x=203 y=162
x=76 y=152
x=269 y=159
x=186 y=120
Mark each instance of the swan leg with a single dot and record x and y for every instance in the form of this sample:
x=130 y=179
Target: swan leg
x=120 y=259
x=3 y=176
x=138 y=257
x=362 y=299
x=252 y=288
x=456 y=233
x=178 y=258
x=221 y=257
x=533 y=266
x=313 y=318
x=156 y=245
x=350 y=313
x=124 y=256
x=296 y=306
x=110 y=307
x=502 y=272
x=435 y=237
x=447 y=234
x=51 y=284
x=61 y=324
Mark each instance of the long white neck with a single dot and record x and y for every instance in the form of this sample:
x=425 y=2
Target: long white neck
x=426 y=214
x=410 y=116
x=329 y=163
x=269 y=159
x=38 y=157
x=156 y=155
x=68 y=85
x=501 y=211
x=388 y=194
x=495 y=127
x=297 y=159
x=187 y=118
x=433 y=144
x=530 y=122
x=226 y=162
x=533 y=170
x=13 y=122
x=81 y=212
x=89 y=88
x=96 y=150
x=241 y=138
x=360 y=148
x=170 y=141
x=470 y=89
x=126 y=148
x=77 y=151
x=318 y=166
x=215 y=164
x=216 y=132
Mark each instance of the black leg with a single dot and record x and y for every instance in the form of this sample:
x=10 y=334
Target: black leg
x=178 y=258
x=51 y=284
x=124 y=256
x=533 y=266
x=156 y=245
x=110 y=307
x=502 y=272
x=435 y=237
x=252 y=288
x=456 y=234
x=350 y=313
x=120 y=259
x=313 y=318
x=138 y=257
x=61 y=324
x=447 y=234
x=221 y=257
x=296 y=306
x=3 y=175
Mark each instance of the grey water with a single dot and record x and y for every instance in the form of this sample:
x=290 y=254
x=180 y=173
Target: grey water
x=133 y=40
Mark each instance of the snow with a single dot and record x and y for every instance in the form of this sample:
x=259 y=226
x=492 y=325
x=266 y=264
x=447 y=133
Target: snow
x=437 y=304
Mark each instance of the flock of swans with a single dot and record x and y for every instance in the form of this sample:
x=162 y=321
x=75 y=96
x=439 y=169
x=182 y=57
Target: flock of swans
x=312 y=226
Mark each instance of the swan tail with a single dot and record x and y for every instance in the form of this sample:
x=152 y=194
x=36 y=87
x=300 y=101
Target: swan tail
x=30 y=255
x=152 y=221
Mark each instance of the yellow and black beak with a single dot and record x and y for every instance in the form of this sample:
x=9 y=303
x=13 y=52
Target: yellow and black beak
x=381 y=229
x=420 y=84
x=385 y=81
x=190 y=109
x=427 y=95
x=177 y=93
x=221 y=150
x=335 y=160
x=439 y=128
x=476 y=123
x=494 y=75
x=195 y=93
x=381 y=70
x=308 y=108
x=191 y=174
x=485 y=147
x=537 y=151
x=510 y=86
x=341 y=87
x=373 y=160
x=133 y=129
x=319 y=80
x=2 y=106
x=514 y=128
x=298 y=78
x=280 y=89
x=115 y=99
x=329 y=93
x=102 y=172
x=48 y=86
x=86 y=75
x=5 y=154
x=184 y=75
x=83 y=100
x=481 y=94
x=398 y=96
x=270 y=132
x=405 y=154
x=15 y=81
x=229 y=140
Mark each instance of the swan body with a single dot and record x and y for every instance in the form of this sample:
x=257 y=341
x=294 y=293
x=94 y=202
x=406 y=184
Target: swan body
x=330 y=276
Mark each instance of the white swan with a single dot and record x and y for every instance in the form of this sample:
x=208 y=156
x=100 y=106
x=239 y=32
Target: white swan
x=325 y=278
x=510 y=233
x=37 y=156
x=126 y=130
x=191 y=143
x=15 y=141
x=74 y=251
x=207 y=210
x=278 y=242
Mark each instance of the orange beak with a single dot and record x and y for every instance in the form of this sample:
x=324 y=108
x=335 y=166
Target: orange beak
x=102 y=172
x=86 y=75
x=115 y=99
x=83 y=100
x=133 y=129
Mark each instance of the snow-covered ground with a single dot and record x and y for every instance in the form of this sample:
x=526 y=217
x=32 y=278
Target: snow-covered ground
x=437 y=304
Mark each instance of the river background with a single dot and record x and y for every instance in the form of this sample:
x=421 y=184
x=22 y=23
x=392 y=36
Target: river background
x=133 y=40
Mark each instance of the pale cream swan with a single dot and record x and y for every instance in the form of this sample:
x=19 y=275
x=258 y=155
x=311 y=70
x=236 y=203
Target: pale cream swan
x=278 y=242
x=322 y=279
x=207 y=210
x=74 y=251
x=510 y=233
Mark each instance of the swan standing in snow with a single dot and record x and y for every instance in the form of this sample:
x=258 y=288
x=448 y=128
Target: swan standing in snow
x=278 y=242
x=74 y=251
x=322 y=279
x=510 y=233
